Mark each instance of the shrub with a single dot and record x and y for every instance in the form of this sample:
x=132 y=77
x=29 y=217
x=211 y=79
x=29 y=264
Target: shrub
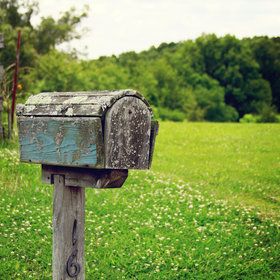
x=221 y=113
x=249 y=118
x=155 y=112
x=268 y=115
x=171 y=115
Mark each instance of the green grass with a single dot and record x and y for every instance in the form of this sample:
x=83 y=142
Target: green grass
x=209 y=209
x=236 y=162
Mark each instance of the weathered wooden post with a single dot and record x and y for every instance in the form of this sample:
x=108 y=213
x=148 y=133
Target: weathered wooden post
x=83 y=139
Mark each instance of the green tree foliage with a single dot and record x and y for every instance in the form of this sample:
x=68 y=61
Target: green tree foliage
x=267 y=54
x=211 y=78
x=36 y=40
x=56 y=71
x=52 y=32
x=231 y=62
x=214 y=79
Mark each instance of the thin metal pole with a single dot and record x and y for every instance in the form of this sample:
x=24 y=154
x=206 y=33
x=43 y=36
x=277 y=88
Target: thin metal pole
x=15 y=80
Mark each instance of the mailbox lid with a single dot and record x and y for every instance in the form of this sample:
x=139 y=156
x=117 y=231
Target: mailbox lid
x=69 y=104
x=62 y=141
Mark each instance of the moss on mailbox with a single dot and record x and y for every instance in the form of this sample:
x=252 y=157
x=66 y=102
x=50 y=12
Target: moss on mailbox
x=108 y=129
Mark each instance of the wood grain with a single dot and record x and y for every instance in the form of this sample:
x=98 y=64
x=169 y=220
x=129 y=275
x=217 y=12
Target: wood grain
x=69 y=104
x=62 y=141
x=85 y=177
x=127 y=134
x=154 y=133
x=106 y=129
x=68 y=206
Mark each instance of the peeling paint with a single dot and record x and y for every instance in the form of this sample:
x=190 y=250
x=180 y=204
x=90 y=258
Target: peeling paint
x=65 y=129
x=69 y=112
x=127 y=134
x=39 y=99
x=94 y=103
x=76 y=100
x=61 y=141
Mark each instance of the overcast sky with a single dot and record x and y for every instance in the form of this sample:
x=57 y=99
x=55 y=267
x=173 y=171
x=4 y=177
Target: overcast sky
x=116 y=26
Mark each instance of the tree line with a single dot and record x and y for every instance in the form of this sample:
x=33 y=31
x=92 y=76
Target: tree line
x=211 y=78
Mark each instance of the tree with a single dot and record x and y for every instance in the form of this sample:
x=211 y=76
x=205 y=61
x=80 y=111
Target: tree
x=232 y=63
x=210 y=78
x=267 y=54
x=51 y=33
x=36 y=40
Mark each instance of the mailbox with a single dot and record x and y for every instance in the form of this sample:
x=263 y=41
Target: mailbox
x=83 y=139
x=103 y=130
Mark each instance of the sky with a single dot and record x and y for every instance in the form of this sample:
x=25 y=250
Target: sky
x=116 y=26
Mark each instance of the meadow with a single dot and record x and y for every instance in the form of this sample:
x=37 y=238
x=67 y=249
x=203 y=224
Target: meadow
x=208 y=209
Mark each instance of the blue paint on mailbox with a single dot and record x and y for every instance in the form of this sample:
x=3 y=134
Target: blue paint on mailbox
x=62 y=141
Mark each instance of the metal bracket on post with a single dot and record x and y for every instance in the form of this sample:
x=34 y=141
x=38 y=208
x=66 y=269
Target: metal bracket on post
x=73 y=268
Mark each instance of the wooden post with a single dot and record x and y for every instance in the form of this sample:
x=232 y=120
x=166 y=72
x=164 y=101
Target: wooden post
x=83 y=139
x=68 y=231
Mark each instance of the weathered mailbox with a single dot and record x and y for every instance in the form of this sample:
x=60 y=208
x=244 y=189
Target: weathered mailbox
x=83 y=139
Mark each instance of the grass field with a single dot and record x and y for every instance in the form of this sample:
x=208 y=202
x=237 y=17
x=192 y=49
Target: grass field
x=209 y=209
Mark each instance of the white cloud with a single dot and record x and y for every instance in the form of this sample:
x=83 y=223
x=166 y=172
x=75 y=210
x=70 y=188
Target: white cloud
x=121 y=25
